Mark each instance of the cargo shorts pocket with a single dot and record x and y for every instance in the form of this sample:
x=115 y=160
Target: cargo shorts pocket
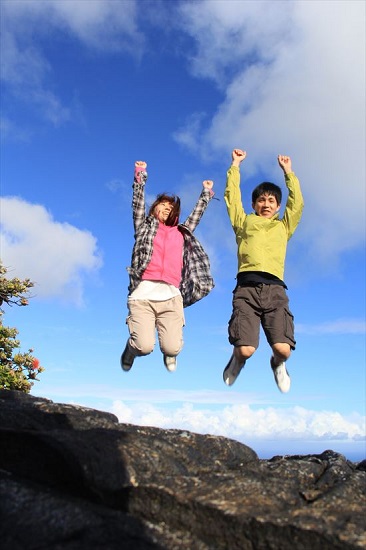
x=289 y=327
x=234 y=328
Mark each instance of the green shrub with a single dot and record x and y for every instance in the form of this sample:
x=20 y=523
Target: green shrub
x=17 y=370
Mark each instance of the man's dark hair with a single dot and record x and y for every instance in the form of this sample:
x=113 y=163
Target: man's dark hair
x=267 y=188
x=173 y=218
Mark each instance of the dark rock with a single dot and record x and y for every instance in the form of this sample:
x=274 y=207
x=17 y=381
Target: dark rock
x=74 y=478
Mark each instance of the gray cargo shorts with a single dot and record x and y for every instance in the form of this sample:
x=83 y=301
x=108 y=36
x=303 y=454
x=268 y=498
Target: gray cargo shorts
x=261 y=304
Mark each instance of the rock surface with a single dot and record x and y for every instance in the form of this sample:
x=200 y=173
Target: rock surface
x=73 y=478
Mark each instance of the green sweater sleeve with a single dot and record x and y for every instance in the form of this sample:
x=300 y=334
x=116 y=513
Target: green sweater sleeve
x=232 y=198
x=294 y=205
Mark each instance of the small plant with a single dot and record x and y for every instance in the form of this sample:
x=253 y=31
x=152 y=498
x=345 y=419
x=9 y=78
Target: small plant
x=17 y=370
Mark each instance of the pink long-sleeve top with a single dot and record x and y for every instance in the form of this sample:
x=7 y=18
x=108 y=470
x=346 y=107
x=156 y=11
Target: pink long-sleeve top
x=167 y=258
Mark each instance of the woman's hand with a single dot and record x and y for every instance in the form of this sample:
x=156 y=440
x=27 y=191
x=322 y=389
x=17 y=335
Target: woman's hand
x=208 y=184
x=140 y=164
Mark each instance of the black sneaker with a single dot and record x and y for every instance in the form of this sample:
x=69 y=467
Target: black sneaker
x=127 y=358
x=170 y=362
x=232 y=370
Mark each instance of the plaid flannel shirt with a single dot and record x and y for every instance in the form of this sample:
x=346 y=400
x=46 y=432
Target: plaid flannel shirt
x=196 y=280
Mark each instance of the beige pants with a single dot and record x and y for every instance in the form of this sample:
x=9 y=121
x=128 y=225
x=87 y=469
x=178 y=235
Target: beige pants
x=146 y=316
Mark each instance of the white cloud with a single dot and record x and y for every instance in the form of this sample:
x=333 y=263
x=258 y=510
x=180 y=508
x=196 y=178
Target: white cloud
x=243 y=422
x=104 y=25
x=101 y=25
x=230 y=35
x=55 y=256
x=9 y=131
x=25 y=71
x=339 y=326
x=290 y=87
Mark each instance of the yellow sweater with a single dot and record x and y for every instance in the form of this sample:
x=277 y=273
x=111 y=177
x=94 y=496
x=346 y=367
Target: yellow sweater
x=262 y=242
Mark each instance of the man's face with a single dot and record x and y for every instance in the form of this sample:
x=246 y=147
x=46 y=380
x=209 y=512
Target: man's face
x=162 y=211
x=266 y=206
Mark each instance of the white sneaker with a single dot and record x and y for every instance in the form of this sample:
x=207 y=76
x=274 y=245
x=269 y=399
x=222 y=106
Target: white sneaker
x=282 y=377
x=170 y=362
x=232 y=370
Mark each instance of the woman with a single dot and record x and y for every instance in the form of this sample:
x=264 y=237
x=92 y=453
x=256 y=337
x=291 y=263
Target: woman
x=169 y=271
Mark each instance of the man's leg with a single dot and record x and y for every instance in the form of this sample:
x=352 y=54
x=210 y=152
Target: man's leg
x=281 y=352
x=278 y=326
x=243 y=331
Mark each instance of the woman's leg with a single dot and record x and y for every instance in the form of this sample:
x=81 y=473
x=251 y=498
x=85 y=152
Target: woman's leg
x=141 y=324
x=170 y=323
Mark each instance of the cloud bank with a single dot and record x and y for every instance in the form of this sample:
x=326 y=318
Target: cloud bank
x=241 y=416
x=244 y=422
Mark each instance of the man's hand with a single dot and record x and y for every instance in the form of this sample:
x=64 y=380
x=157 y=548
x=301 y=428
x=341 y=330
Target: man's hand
x=238 y=156
x=208 y=184
x=140 y=164
x=285 y=163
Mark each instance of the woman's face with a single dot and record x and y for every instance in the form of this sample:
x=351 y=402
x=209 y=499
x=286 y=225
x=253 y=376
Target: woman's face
x=162 y=211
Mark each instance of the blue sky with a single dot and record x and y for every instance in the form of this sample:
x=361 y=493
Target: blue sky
x=87 y=88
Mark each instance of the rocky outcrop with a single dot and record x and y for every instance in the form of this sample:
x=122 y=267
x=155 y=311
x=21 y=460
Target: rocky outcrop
x=73 y=478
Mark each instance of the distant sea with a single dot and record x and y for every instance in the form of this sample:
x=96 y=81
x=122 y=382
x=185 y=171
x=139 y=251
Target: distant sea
x=353 y=451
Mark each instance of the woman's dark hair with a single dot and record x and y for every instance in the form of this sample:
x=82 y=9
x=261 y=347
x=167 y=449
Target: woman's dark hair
x=267 y=188
x=173 y=218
